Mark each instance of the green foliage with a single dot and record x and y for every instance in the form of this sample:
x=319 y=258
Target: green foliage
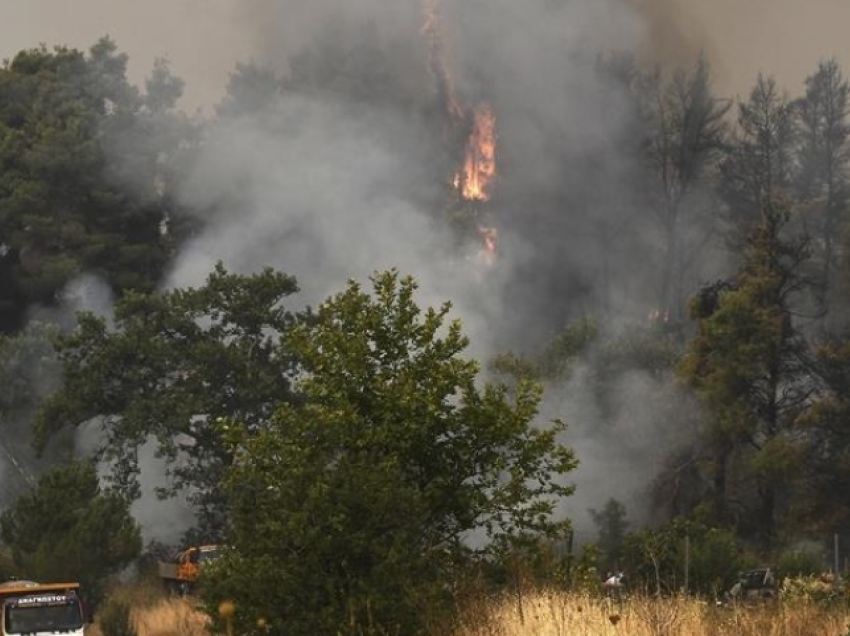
x=827 y=450
x=803 y=559
x=748 y=366
x=60 y=211
x=656 y=560
x=172 y=365
x=582 y=572
x=356 y=507
x=611 y=524
x=554 y=362
x=115 y=617
x=28 y=369
x=68 y=529
x=813 y=588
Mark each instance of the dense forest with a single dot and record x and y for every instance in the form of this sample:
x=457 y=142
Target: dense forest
x=653 y=309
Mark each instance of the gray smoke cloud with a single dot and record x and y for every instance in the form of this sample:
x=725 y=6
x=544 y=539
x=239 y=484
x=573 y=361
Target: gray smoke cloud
x=327 y=187
x=332 y=185
x=31 y=365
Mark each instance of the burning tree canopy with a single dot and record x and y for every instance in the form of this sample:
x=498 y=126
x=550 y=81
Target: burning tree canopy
x=479 y=167
x=474 y=179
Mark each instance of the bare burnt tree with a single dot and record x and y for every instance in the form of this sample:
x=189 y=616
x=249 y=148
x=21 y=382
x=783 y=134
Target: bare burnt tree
x=824 y=170
x=758 y=164
x=686 y=133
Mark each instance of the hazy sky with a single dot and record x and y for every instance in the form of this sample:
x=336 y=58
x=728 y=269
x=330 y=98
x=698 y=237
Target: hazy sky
x=204 y=38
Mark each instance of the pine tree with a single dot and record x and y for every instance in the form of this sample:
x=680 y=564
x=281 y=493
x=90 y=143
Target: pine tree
x=748 y=365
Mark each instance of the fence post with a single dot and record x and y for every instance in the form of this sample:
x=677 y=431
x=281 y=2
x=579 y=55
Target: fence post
x=836 y=559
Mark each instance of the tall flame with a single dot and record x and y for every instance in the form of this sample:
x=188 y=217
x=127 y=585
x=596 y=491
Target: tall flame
x=472 y=182
x=479 y=168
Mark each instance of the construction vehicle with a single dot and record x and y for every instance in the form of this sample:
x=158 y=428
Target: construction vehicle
x=41 y=609
x=180 y=573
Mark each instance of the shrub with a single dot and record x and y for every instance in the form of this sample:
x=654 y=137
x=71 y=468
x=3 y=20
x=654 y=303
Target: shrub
x=800 y=560
x=115 y=618
x=655 y=559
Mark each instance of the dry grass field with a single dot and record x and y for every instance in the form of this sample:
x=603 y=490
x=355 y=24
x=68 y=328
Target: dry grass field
x=170 y=617
x=563 y=614
x=560 y=614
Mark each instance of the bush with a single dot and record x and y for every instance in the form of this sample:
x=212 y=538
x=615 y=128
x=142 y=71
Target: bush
x=115 y=618
x=655 y=559
x=69 y=529
x=800 y=560
x=812 y=588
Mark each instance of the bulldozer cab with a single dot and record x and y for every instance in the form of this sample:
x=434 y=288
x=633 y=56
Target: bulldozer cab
x=181 y=572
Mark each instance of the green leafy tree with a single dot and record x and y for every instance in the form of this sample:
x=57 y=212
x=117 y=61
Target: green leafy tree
x=681 y=555
x=747 y=363
x=611 y=524
x=65 y=206
x=553 y=363
x=821 y=506
x=69 y=529
x=363 y=507
x=172 y=365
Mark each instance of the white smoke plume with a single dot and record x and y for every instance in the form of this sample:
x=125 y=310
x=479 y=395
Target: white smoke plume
x=328 y=187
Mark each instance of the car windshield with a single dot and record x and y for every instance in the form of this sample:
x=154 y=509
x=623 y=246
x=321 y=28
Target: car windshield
x=45 y=618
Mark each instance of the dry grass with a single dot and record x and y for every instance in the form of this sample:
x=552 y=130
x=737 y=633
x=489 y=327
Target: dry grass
x=561 y=614
x=171 y=617
x=564 y=614
x=164 y=617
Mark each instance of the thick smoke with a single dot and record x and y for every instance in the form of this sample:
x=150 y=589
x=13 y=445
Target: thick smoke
x=329 y=185
x=334 y=184
x=31 y=366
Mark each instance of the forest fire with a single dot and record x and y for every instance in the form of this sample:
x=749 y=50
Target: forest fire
x=479 y=168
x=473 y=180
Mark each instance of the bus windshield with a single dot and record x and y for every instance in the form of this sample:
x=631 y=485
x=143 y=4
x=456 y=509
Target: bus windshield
x=45 y=618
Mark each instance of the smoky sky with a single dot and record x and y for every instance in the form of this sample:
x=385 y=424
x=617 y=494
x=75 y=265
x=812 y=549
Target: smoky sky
x=204 y=37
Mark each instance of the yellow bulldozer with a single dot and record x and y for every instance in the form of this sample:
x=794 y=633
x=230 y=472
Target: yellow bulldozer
x=180 y=573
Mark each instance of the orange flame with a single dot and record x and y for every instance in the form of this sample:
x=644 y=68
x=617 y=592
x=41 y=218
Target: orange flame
x=479 y=168
x=474 y=179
